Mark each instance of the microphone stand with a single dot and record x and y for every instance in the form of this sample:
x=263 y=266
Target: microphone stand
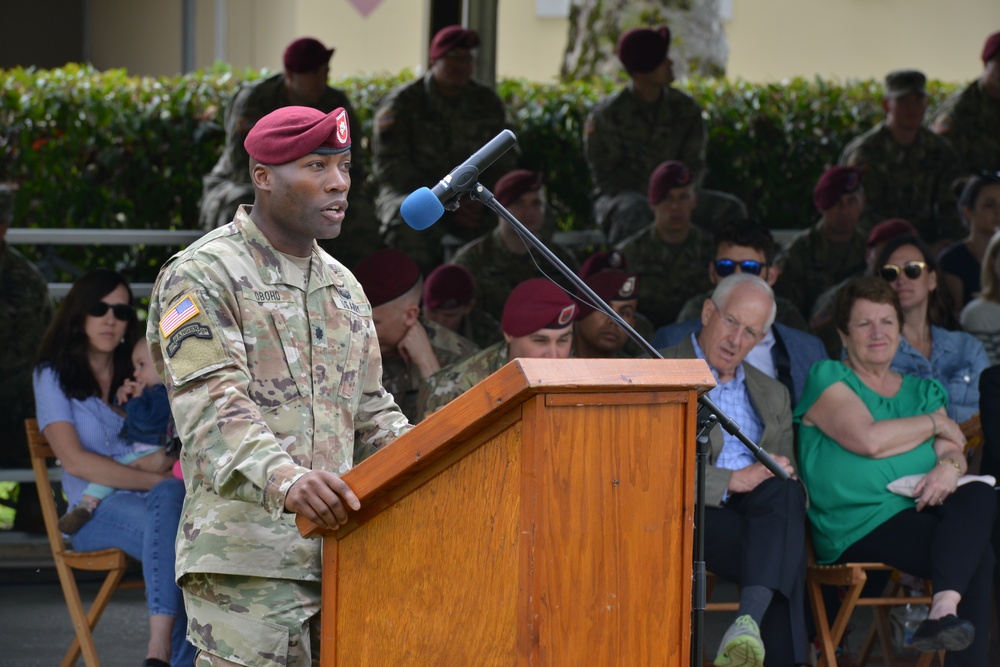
x=712 y=413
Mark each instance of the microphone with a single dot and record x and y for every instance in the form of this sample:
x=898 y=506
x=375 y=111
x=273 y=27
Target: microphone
x=425 y=206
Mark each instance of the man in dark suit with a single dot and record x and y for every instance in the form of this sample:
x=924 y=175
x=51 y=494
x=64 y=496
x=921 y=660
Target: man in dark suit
x=754 y=523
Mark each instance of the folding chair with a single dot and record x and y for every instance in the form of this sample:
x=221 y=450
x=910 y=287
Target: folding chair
x=112 y=561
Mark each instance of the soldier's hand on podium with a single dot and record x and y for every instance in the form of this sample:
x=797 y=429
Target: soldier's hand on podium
x=323 y=498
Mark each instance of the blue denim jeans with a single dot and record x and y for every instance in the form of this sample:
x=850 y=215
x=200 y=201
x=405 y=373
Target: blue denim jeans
x=145 y=527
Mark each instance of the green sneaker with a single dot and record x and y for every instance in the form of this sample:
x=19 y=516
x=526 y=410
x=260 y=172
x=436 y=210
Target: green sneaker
x=741 y=645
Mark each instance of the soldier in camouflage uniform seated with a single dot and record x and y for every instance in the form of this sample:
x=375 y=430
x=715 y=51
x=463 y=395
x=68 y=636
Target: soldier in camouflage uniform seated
x=449 y=300
x=596 y=335
x=501 y=259
x=537 y=323
x=908 y=170
x=831 y=250
x=412 y=348
x=426 y=128
x=970 y=119
x=267 y=348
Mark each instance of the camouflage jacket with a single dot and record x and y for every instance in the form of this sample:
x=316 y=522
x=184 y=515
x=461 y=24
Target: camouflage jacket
x=421 y=135
x=267 y=381
x=668 y=274
x=625 y=139
x=911 y=182
x=449 y=383
x=970 y=120
x=496 y=270
x=812 y=263
x=403 y=381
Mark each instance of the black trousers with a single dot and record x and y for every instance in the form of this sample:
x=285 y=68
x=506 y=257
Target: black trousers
x=758 y=539
x=950 y=545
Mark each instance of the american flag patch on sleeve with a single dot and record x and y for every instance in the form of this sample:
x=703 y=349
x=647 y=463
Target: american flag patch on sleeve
x=178 y=315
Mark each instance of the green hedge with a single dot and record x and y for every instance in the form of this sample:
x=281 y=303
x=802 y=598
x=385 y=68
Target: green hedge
x=103 y=149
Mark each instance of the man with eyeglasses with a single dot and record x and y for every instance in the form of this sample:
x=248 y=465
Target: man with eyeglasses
x=908 y=170
x=754 y=523
x=669 y=256
x=785 y=352
x=423 y=130
x=831 y=250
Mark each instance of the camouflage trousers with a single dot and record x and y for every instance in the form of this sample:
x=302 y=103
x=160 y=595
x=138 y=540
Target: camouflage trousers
x=252 y=621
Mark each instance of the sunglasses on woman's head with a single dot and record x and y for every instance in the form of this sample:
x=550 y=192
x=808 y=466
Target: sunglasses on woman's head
x=911 y=270
x=121 y=311
x=726 y=267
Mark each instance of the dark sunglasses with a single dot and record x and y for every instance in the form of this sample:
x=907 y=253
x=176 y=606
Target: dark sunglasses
x=121 y=311
x=911 y=270
x=726 y=267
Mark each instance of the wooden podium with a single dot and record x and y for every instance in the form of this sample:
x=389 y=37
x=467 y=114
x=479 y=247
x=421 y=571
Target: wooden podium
x=544 y=517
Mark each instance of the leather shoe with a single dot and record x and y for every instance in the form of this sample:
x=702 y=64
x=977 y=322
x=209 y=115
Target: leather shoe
x=948 y=633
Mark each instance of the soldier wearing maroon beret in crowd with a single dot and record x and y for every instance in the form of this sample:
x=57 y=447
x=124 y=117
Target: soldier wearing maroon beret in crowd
x=537 y=324
x=830 y=251
x=303 y=82
x=970 y=119
x=670 y=255
x=269 y=353
x=449 y=300
x=426 y=128
x=412 y=348
x=596 y=335
x=500 y=260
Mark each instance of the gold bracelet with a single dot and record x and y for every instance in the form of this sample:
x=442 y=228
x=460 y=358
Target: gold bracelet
x=952 y=462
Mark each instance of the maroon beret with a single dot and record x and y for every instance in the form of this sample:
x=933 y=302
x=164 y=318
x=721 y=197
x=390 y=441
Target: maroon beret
x=448 y=286
x=599 y=261
x=889 y=229
x=515 y=183
x=293 y=132
x=536 y=304
x=306 y=55
x=610 y=285
x=991 y=47
x=643 y=49
x=452 y=37
x=386 y=274
x=834 y=184
x=667 y=176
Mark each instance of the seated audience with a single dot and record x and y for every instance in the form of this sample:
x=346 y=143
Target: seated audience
x=830 y=251
x=449 y=300
x=669 y=256
x=537 y=323
x=989 y=399
x=413 y=349
x=604 y=260
x=864 y=425
x=979 y=204
x=84 y=358
x=927 y=349
x=754 y=523
x=981 y=316
x=596 y=335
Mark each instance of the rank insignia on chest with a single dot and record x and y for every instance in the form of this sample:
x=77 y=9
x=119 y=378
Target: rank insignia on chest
x=178 y=314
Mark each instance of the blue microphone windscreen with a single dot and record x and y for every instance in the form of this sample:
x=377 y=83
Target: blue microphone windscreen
x=421 y=209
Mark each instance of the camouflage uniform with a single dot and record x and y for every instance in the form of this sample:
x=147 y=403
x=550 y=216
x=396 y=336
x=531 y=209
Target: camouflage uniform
x=911 y=182
x=419 y=137
x=25 y=311
x=403 y=381
x=668 y=274
x=786 y=313
x=812 y=263
x=228 y=184
x=496 y=270
x=970 y=120
x=625 y=139
x=449 y=383
x=271 y=374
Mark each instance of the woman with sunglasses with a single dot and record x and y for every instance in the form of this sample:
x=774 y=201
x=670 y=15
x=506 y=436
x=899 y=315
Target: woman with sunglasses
x=85 y=357
x=979 y=205
x=928 y=349
x=981 y=316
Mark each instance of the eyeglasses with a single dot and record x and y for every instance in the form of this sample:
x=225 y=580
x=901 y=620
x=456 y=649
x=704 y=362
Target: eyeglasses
x=121 y=311
x=911 y=270
x=726 y=267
